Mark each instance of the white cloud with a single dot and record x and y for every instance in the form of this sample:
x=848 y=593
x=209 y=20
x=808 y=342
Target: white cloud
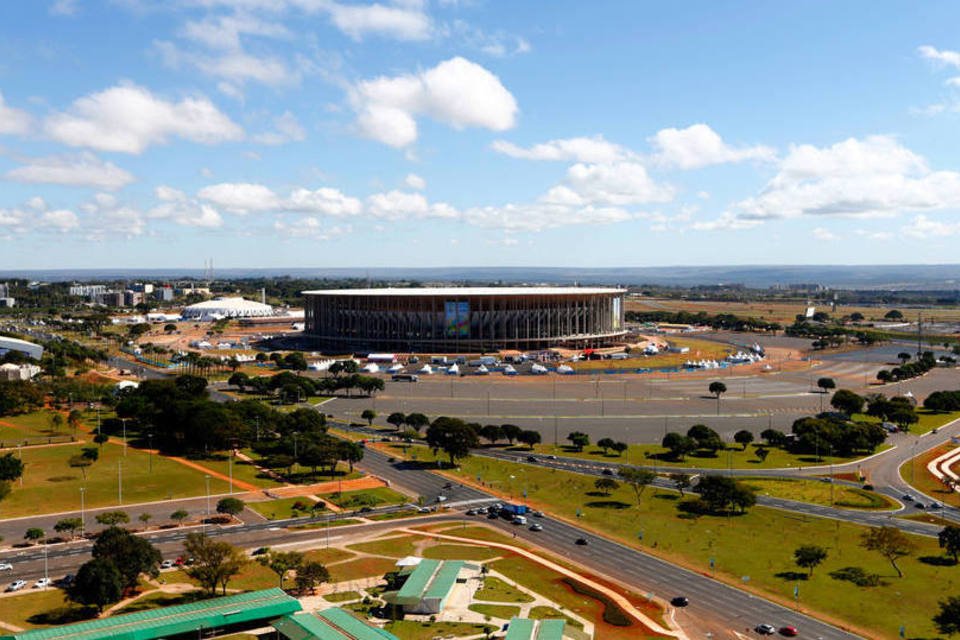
x=325 y=200
x=874 y=176
x=395 y=205
x=80 y=170
x=726 y=222
x=582 y=149
x=700 y=146
x=401 y=20
x=541 y=216
x=310 y=227
x=128 y=119
x=106 y=216
x=820 y=233
x=415 y=182
x=619 y=183
x=13 y=121
x=923 y=228
x=61 y=220
x=63 y=8
x=178 y=208
x=225 y=31
x=456 y=92
x=286 y=129
x=235 y=66
x=942 y=56
x=244 y=198
x=498 y=44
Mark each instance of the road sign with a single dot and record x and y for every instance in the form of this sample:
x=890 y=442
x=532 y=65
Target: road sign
x=713 y=563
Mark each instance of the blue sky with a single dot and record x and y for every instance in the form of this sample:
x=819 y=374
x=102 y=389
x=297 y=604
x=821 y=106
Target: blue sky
x=321 y=133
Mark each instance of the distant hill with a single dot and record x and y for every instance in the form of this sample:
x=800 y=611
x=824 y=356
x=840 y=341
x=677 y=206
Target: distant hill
x=929 y=277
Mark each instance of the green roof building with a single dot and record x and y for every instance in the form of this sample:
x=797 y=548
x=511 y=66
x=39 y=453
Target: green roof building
x=168 y=622
x=525 y=629
x=428 y=586
x=330 y=624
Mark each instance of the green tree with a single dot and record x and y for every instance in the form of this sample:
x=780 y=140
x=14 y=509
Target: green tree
x=511 y=432
x=947 y=619
x=310 y=575
x=809 y=556
x=579 y=440
x=112 y=518
x=369 y=415
x=98 y=583
x=717 y=389
x=949 y=539
x=11 y=467
x=762 y=453
x=681 y=481
x=847 y=402
x=34 y=535
x=56 y=421
x=230 y=506
x=530 y=438
x=90 y=453
x=743 y=437
x=679 y=445
x=281 y=562
x=145 y=518
x=69 y=526
x=893 y=314
x=606 y=485
x=397 y=419
x=453 y=436
x=605 y=444
x=491 y=433
x=132 y=555
x=417 y=421
x=723 y=494
x=889 y=542
x=214 y=562
x=351 y=453
x=81 y=462
x=620 y=447
x=638 y=479
x=179 y=515
x=100 y=439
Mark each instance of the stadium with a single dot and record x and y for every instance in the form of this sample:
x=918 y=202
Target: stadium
x=463 y=320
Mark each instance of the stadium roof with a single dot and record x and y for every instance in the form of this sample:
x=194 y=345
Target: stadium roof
x=331 y=624
x=228 y=307
x=429 y=579
x=466 y=291
x=16 y=344
x=524 y=629
x=169 y=621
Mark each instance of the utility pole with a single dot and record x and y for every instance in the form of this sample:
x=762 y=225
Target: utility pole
x=82 y=489
x=120 y=482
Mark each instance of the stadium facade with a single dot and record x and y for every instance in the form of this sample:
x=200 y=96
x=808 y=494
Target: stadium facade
x=463 y=320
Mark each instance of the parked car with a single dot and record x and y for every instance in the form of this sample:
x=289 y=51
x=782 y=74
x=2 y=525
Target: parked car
x=471 y=512
x=907 y=497
x=536 y=526
x=531 y=458
x=935 y=505
x=67 y=580
x=16 y=585
x=167 y=564
x=42 y=583
x=6 y=566
x=538 y=514
x=789 y=631
x=765 y=629
x=680 y=601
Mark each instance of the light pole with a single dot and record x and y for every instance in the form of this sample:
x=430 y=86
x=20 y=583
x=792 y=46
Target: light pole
x=206 y=479
x=124 y=421
x=119 y=482
x=150 y=449
x=230 y=467
x=46 y=574
x=82 y=490
x=20 y=455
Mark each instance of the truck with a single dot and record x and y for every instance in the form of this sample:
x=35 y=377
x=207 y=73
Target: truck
x=512 y=510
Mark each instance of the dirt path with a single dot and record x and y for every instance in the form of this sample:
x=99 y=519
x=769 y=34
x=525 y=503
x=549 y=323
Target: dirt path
x=246 y=486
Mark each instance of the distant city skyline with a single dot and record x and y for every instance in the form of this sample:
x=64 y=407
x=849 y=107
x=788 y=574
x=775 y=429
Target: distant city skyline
x=330 y=133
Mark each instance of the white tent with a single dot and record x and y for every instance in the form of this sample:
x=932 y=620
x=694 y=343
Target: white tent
x=509 y=370
x=426 y=370
x=565 y=369
x=371 y=368
x=454 y=370
x=538 y=369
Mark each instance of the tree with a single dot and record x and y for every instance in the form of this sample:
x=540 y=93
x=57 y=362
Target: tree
x=453 y=436
x=889 y=542
x=230 y=506
x=529 y=437
x=11 y=467
x=809 y=556
x=774 y=437
x=510 y=431
x=397 y=419
x=579 y=440
x=620 y=447
x=169 y=327
x=179 y=515
x=34 y=535
x=214 y=561
x=847 y=402
x=762 y=453
x=638 y=479
x=239 y=380
x=145 y=518
x=491 y=433
x=903 y=357
x=705 y=437
x=281 y=562
x=722 y=493
x=68 y=526
x=949 y=539
x=112 y=518
x=717 y=388
x=100 y=439
x=743 y=437
x=56 y=421
x=351 y=453
x=368 y=415
x=884 y=376
x=90 y=453
x=417 y=421
x=678 y=444
x=310 y=575
x=80 y=462
x=893 y=314
x=948 y=618
x=681 y=481
x=132 y=555
x=606 y=485
x=605 y=444
x=98 y=583
x=825 y=384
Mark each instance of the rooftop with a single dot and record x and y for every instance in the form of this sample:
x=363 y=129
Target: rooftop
x=524 y=629
x=429 y=579
x=467 y=291
x=330 y=624
x=230 y=303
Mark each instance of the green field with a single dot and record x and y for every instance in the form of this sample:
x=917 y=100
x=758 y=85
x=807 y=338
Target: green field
x=395 y=547
x=823 y=493
x=501 y=611
x=759 y=544
x=378 y=496
x=282 y=508
x=928 y=420
x=343 y=596
x=414 y=630
x=30 y=427
x=53 y=486
x=18 y=610
x=496 y=590
x=460 y=552
x=242 y=470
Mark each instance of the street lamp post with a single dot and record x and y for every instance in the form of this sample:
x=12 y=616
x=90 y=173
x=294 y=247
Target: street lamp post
x=82 y=490
x=230 y=467
x=124 y=421
x=150 y=450
x=119 y=482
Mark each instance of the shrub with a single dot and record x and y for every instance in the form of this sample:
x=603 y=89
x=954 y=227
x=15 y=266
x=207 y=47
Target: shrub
x=857 y=576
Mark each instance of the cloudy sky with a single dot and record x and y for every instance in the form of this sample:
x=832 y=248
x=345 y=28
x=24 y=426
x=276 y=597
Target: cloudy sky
x=319 y=133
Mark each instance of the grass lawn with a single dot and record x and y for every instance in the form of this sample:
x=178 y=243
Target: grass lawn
x=360 y=568
x=396 y=515
x=733 y=457
x=823 y=493
x=242 y=470
x=50 y=482
x=157 y=600
x=329 y=524
x=30 y=426
x=501 y=611
x=413 y=630
x=343 y=596
x=759 y=544
x=928 y=420
x=326 y=556
x=914 y=472
x=18 y=610
x=496 y=590
x=460 y=552
x=282 y=508
x=395 y=547
x=365 y=498
x=549 y=613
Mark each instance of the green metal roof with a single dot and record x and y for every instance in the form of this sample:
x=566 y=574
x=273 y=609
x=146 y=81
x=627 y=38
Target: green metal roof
x=525 y=629
x=168 y=621
x=413 y=589
x=444 y=579
x=332 y=624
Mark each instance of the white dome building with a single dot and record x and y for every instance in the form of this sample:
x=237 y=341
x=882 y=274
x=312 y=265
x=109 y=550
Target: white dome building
x=220 y=308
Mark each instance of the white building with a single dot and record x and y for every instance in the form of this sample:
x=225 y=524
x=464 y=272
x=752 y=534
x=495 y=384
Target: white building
x=32 y=350
x=12 y=371
x=220 y=308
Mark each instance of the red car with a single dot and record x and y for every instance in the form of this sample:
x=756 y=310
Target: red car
x=789 y=631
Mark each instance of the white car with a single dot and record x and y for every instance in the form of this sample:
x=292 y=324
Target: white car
x=6 y=566
x=16 y=585
x=42 y=583
x=167 y=564
x=536 y=526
